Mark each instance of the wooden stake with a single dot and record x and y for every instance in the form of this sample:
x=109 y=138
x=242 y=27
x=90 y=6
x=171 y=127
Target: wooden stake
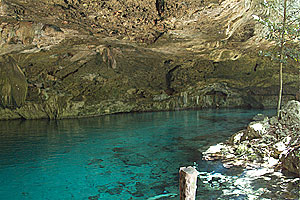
x=188 y=183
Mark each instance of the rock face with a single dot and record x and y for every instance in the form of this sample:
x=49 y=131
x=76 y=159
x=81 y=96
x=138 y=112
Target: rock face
x=13 y=84
x=290 y=114
x=272 y=143
x=290 y=117
x=89 y=58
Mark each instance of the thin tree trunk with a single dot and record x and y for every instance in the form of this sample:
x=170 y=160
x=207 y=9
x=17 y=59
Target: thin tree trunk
x=280 y=88
x=282 y=43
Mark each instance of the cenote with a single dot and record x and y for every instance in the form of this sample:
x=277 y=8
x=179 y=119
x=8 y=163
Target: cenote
x=124 y=156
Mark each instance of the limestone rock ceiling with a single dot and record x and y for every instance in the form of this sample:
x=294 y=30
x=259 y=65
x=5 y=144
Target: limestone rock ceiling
x=93 y=57
x=217 y=30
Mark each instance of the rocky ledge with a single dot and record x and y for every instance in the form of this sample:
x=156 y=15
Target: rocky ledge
x=272 y=143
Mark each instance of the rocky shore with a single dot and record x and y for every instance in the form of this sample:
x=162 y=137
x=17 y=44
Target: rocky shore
x=272 y=143
x=268 y=149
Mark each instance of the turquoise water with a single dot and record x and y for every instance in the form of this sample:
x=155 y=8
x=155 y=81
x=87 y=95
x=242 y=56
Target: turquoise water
x=124 y=156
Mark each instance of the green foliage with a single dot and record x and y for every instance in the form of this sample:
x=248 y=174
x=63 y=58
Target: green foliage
x=282 y=32
x=282 y=21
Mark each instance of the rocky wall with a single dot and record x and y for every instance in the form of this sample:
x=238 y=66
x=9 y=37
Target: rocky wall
x=89 y=58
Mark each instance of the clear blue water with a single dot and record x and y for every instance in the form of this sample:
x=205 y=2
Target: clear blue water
x=124 y=156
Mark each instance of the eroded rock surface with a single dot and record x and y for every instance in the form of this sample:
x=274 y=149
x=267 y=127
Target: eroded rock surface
x=13 y=83
x=88 y=58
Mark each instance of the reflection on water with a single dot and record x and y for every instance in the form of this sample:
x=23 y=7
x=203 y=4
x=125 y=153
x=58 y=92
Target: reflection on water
x=125 y=156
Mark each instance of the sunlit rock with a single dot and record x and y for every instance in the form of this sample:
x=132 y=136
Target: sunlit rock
x=270 y=162
x=236 y=138
x=280 y=146
x=255 y=130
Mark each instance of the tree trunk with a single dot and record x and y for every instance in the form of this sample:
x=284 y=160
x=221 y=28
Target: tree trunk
x=280 y=89
x=282 y=43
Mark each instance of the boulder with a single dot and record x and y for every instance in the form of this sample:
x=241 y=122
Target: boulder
x=291 y=160
x=290 y=113
x=255 y=130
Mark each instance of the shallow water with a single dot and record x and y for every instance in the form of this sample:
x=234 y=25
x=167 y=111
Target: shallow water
x=124 y=156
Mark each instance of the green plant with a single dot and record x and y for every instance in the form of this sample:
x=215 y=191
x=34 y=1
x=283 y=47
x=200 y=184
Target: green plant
x=282 y=24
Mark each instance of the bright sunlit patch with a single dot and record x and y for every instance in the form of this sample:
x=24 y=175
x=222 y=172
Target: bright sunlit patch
x=215 y=149
x=280 y=146
x=258 y=127
x=236 y=185
x=162 y=196
x=237 y=137
x=255 y=173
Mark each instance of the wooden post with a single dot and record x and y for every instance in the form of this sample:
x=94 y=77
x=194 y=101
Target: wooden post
x=188 y=183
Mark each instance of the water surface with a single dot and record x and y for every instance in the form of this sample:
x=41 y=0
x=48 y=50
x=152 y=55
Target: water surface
x=124 y=156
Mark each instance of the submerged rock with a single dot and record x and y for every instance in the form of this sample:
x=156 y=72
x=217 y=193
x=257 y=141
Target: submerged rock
x=259 y=117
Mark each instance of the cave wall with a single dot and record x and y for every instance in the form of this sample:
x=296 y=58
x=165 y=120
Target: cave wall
x=87 y=58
